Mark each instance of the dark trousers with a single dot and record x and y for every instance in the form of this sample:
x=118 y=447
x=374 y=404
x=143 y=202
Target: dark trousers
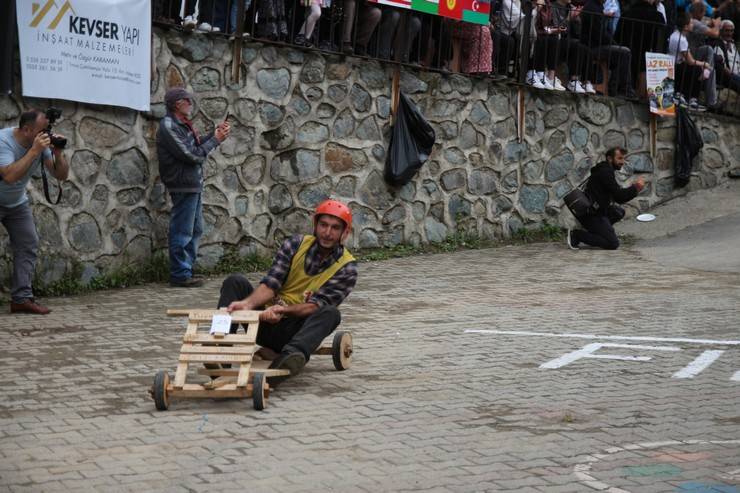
x=599 y=232
x=619 y=60
x=505 y=49
x=289 y=335
x=687 y=80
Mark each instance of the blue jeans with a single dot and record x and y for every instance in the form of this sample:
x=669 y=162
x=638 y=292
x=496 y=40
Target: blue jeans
x=234 y=12
x=186 y=228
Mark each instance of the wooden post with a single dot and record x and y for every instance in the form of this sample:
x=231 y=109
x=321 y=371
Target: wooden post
x=236 y=57
x=395 y=92
x=653 y=135
x=520 y=114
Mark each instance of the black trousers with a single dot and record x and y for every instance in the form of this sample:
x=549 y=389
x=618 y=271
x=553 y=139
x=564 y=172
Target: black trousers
x=599 y=232
x=289 y=335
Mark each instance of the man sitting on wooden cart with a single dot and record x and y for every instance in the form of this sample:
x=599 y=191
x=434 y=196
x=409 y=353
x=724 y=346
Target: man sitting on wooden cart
x=310 y=276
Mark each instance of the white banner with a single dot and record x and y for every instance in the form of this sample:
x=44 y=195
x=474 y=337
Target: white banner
x=94 y=51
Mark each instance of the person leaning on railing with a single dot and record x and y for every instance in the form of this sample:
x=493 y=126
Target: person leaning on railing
x=368 y=18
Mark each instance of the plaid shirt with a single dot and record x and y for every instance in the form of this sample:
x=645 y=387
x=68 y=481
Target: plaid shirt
x=333 y=292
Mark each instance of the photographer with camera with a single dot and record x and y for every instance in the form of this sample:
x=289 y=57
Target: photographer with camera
x=181 y=153
x=603 y=190
x=22 y=151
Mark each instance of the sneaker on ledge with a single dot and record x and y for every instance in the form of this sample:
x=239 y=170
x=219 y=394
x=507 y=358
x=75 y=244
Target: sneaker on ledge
x=588 y=87
x=576 y=87
x=188 y=23
x=556 y=84
x=205 y=27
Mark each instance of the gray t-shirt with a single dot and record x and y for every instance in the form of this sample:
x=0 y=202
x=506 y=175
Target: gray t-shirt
x=698 y=34
x=13 y=195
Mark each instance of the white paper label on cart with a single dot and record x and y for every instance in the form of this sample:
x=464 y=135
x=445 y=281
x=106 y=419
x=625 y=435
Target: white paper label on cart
x=221 y=324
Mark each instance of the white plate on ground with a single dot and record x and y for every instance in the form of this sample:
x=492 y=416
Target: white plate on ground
x=645 y=218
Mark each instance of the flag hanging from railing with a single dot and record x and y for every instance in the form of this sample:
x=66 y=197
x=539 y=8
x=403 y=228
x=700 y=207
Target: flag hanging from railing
x=475 y=11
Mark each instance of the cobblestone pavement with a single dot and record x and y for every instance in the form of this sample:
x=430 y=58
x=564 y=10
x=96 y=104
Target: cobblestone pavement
x=427 y=406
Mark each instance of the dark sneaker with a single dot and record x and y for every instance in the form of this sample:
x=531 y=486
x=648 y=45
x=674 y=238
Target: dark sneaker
x=187 y=283
x=29 y=306
x=569 y=240
x=287 y=361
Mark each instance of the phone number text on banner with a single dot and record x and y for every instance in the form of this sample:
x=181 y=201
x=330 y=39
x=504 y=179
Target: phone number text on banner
x=474 y=11
x=93 y=51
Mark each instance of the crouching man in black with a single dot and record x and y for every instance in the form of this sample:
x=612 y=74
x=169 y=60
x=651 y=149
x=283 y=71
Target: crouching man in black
x=603 y=190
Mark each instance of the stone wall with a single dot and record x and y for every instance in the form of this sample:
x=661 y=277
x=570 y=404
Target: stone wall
x=306 y=126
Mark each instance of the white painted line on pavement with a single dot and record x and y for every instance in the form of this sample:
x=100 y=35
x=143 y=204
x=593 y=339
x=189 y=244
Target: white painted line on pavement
x=736 y=376
x=699 y=364
x=588 y=351
x=612 y=338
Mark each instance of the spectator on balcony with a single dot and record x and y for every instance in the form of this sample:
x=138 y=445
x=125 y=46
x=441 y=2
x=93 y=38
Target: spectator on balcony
x=313 y=8
x=689 y=72
x=613 y=11
x=234 y=14
x=730 y=9
x=367 y=20
x=642 y=29
x=397 y=33
x=271 y=22
x=700 y=32
x=728 y=74
x=508 y=36
x=564 y=19
x=595 y=35
x=553 y=46
x=204 y=21
x=166 y=11
x=477 y=47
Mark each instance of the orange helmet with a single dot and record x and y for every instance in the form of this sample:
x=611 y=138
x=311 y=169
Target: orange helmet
x=334 y=208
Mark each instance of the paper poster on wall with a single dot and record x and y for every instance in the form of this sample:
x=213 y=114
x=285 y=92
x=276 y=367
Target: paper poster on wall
x=660 y=80
x=92 y=51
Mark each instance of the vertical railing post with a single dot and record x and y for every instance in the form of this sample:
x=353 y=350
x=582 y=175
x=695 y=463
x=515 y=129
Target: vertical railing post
x=525 y=42
x=236 y=57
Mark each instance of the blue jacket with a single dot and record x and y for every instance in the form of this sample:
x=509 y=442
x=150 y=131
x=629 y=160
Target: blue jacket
x=180 y=156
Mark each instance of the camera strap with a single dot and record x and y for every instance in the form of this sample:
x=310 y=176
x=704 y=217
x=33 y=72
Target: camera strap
x=45 y=182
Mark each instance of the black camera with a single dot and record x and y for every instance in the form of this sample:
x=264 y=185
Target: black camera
x=52 y=114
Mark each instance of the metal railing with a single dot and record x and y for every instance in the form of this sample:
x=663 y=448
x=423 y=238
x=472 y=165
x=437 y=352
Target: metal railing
x=549 y=44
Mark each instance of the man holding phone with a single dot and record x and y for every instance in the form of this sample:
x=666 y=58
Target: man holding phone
x=182 y=152
x=603 y=190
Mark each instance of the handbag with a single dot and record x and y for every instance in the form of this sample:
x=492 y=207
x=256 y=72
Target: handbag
x=578 y=202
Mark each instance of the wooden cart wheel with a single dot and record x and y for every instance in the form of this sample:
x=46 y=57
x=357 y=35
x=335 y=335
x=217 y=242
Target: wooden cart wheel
x=341 y=350
x=161 y=382
x=259 y=397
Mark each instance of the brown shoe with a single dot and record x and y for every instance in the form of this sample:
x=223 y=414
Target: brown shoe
x=187 y=283
x=28 y=306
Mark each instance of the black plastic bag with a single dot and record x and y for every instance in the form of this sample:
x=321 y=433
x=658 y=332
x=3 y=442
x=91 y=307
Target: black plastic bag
x=411 y=143
x=688 y=145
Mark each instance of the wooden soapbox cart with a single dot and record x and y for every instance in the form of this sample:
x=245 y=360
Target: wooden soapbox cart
x=245 y=376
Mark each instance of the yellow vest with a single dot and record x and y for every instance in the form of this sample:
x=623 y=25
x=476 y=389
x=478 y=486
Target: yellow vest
x=298 y=282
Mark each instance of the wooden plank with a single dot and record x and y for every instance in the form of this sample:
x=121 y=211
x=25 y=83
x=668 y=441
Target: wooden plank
x=324 y=350
x=215 y=358
x=198 y=391
x=180 y=374
x=233 y=372
x=243 y=378
x=239 y=316
x=191 y=349
x=227 y=339
x=192 y=328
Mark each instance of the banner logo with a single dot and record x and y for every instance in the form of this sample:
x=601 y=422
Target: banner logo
x=450 y=4
x=40 y=14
